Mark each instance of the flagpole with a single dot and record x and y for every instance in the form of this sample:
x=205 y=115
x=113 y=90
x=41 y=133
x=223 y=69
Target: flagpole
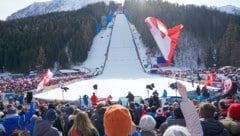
x=63 y=95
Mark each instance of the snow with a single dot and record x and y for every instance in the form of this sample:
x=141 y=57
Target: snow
x=123 y=71
x=39 y=8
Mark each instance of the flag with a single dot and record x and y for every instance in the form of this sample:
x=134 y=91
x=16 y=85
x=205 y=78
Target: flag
x=165 y=38
x=44 y=80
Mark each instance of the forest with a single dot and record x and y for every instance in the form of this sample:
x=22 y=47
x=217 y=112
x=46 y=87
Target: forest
x=51 y=40
x=220 y=31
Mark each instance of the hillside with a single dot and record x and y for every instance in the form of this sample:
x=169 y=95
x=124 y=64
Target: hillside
x=52 y=40
x=209 y=36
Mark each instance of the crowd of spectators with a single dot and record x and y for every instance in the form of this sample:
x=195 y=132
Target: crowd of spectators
x=147 y=118
x=188 y=117
x=24 y=84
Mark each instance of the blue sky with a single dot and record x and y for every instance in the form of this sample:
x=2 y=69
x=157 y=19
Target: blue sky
x=10 y=6
x=217 y=3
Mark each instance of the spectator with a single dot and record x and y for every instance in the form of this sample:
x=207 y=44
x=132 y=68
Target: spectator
x=130 y=97
x=57 y=123
x=136 y=112
x=195 y=103
x=144 y=108
x=94 y=99
x=97 y=119
x=45 y=127
x=156 y=99
x=155 y=93
x=68 y=111
x=70 y=121
x=147 y=125
x=211 y=127
x=232 y=121
x=223 y=105
x=205 y=92
x=164 y=95
x=159 y=117
x=21 y=98
x=14 y=121
x=178 y=119
x=82 y=126
x=117 y=121
x=85 y=100
x=198 y=90
x=176 y=130
x=31 y=125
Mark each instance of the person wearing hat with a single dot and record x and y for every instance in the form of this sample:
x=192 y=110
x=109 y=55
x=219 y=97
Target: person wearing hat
x=45 y=127
x=176 y=130
x=159 y=117
x=68 y=111
x=232 y=121
x=117 y=121
x=13 y=120
x=147 y=124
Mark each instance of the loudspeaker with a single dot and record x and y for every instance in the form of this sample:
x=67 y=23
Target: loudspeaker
x=29 y=97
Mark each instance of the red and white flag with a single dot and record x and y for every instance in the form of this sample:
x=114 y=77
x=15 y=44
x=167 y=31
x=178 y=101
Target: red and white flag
x=165 y=38
x=44 y=80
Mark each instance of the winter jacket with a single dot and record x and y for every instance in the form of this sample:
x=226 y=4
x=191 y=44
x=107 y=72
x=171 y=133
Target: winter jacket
x=45 y=128
x=212 y=127
x=233 y=126
x=94 y=99
x=191 y=117
x=14 y=121
x=98 y=123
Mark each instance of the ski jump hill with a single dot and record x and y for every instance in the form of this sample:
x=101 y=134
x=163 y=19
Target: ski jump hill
x=117 y=58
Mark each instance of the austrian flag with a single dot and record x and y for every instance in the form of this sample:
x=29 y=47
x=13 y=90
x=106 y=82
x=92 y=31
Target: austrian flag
x=44 y=80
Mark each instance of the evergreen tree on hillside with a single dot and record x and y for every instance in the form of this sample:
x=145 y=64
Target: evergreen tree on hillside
x=229 y=45
x=208 y=25
x=41 y=60
x=45 y=39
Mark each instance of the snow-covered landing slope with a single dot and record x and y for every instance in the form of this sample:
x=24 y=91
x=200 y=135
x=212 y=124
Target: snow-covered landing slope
x=122 y=59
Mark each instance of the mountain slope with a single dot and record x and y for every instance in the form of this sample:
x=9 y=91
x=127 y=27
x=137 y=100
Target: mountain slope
x=40 y=8
x=230 y=9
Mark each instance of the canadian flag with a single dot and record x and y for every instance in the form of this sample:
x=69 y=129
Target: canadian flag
x=165 y=38
x=44 y=80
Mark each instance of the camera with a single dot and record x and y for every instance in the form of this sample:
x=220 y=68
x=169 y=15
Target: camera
x=173 y=85
x=95 y=87
x=150 y=87
x=64 y=88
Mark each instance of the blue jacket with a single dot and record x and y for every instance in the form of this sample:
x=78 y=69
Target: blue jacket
x=12 y=122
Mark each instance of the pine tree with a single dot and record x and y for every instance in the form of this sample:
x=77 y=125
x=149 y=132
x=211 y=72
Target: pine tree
x=41 y=60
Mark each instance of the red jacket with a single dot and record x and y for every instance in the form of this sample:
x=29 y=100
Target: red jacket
x=94 y=99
